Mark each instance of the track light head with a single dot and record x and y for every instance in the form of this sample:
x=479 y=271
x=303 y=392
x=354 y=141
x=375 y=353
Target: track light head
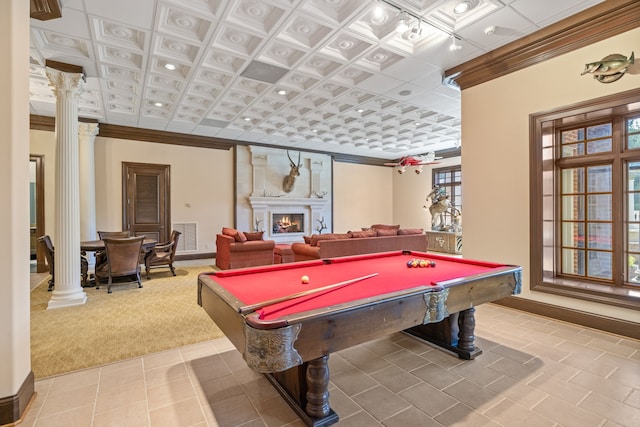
x=454 y=46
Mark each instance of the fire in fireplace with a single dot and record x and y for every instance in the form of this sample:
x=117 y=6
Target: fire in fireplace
x=287 y=223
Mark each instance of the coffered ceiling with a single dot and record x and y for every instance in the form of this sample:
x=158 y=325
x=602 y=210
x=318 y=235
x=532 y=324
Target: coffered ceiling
x=328 y=75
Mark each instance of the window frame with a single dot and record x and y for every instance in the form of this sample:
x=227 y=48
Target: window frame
x=544 y=190
x=451 y=170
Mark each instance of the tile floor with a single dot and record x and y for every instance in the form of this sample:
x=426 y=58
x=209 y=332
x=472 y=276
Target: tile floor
x=534 y=372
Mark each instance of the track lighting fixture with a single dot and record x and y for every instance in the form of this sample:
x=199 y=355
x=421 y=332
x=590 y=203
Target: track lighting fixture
x=410 y=24
x=454 y=46
x=403 y=25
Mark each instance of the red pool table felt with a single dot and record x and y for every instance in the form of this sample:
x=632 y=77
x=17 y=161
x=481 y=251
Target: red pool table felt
x=254 y=285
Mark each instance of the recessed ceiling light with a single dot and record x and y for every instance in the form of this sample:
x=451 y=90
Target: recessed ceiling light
x=377 y=11
x=360 y=110
x=170 y=67
x=158 y=104
x=247 y=119
x=462 y=7
x=282 y=92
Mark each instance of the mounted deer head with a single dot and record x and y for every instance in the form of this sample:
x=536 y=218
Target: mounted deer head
x=290 y=180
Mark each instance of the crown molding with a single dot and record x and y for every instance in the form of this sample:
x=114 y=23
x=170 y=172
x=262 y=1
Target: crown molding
x=600 y=22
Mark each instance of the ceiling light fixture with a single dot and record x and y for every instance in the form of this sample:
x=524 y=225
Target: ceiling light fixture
x=454 y=46
x=462 y=7
x=282 y=92
x=411 y=21
x=402 y=26
x=170 y=67
x=158 y=104
x=378 y=11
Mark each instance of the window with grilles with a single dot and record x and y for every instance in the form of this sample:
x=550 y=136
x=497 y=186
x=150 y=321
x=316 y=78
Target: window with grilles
x=585 y=233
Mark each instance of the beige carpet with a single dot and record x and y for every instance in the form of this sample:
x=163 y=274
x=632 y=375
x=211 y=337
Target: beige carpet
x=130 y=322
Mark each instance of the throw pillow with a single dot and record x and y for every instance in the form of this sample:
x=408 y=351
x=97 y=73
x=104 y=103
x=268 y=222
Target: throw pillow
x=361 y=234
x=385 y=226
x=307 y=239
x=238 y=236
x=254 y=235
x=387 y=232
x=231 y=232
x=404 y=231
x=315 y=238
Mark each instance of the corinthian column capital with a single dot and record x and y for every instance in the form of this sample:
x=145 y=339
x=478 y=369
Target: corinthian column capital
x=88 y=129
x=65 y=83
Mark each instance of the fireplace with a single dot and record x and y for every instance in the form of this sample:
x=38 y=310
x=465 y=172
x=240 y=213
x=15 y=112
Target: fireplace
x=287 y=223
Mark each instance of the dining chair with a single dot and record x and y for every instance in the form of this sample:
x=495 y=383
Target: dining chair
x=122 y=260
x=163 y=254
x=114 y=234
x=101 y=256
x=49 y=253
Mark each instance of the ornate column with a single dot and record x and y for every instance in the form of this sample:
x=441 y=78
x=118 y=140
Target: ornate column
x=87 y=136
x=68 y=291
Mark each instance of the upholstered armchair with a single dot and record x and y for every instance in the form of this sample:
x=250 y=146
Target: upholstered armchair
x=232 y=251
x=49 y=253
x=101 y=256
x=122 y=260
x=163 y=254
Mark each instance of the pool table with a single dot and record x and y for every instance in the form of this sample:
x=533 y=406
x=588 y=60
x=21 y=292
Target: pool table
x=287 y=329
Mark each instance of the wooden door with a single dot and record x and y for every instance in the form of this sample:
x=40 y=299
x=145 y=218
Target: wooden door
x=38 y=161
x=146 y=201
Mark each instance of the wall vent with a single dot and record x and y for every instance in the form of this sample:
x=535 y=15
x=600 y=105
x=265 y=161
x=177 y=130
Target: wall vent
x=189 y=239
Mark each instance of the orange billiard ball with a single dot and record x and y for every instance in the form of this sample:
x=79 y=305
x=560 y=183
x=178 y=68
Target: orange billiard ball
x=304 y=279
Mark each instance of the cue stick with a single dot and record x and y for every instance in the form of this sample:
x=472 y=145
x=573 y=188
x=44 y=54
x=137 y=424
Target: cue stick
x=253 y=307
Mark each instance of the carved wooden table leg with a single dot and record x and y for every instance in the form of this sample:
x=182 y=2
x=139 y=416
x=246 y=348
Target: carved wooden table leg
x=466 y=338
x=318 y=384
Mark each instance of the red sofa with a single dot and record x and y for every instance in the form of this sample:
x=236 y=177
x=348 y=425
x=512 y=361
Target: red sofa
x=337 y=245
x=231 y=253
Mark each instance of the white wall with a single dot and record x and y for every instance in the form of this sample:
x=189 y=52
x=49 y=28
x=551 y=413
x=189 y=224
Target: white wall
x=410 y=195
x=363 y=195
x=200 y=177
x=14 y=189
x=495 y=154
x=203 y=178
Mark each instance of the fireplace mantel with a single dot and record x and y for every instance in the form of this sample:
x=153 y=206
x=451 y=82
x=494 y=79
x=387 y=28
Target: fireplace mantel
x=266 y=202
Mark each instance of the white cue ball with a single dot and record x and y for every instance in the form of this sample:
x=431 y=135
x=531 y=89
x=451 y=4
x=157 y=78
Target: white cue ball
x=304 y=279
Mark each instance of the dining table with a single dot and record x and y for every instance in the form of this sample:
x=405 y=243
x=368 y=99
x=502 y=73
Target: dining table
x=148 y=244
x=98 y=245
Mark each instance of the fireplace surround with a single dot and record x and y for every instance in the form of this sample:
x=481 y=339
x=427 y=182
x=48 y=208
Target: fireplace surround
x=261 y=199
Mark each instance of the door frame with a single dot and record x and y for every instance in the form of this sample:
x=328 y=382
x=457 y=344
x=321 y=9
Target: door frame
x=127 y=167
x=38 y=159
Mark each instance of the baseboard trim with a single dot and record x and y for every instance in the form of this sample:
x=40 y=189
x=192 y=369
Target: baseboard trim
x=583 y=318
x=188 y=257
x=12 y=408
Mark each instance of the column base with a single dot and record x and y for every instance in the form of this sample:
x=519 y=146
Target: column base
x=67 y=299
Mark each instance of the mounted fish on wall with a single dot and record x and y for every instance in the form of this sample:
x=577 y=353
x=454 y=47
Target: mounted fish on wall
x=610 y=68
